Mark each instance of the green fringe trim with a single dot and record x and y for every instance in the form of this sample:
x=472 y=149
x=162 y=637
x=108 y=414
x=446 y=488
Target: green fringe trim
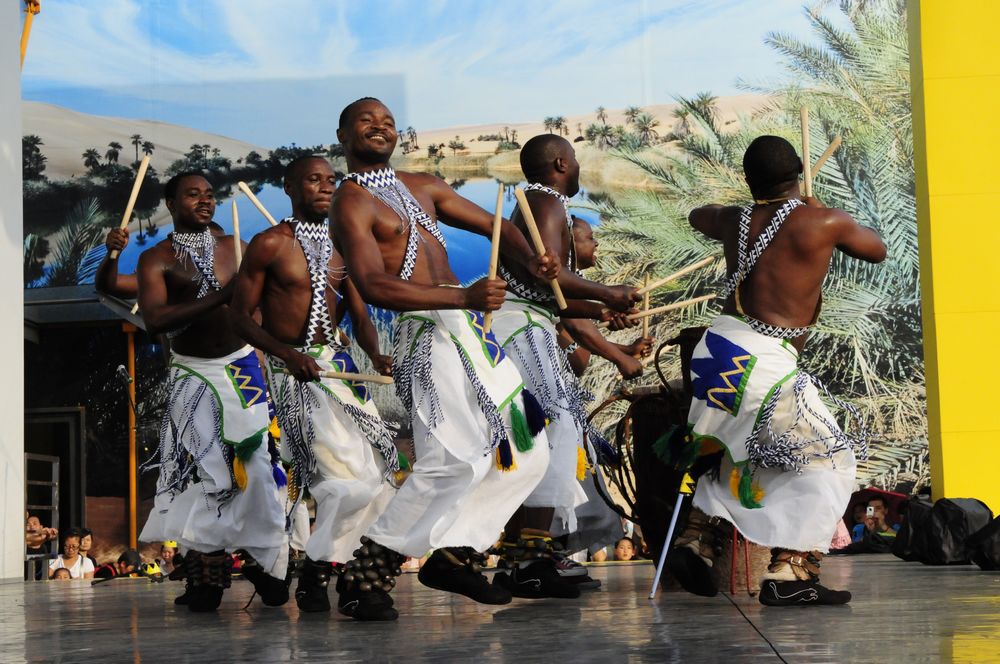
x=245 y=448
x=523 y=440
x=746 y=490
x=404 y=463
x=677 y=447
x=661 y=447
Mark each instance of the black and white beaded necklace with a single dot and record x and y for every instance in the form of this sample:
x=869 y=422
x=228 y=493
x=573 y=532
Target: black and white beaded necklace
x=530 y=291
x=314 y=238
x=199 y=247
x=386 y=187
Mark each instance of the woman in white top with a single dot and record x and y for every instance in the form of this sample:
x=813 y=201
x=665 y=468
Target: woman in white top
x=79 y=567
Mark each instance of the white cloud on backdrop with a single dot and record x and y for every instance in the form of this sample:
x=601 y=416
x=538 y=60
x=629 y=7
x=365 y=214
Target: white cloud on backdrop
x=452 y=61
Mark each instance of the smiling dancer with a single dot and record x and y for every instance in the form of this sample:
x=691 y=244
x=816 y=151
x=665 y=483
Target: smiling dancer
x=473 y=424
x=331 y=431
x=788 y=469
x=216 y=491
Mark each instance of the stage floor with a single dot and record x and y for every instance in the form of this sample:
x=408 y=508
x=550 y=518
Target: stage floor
x=902 y=612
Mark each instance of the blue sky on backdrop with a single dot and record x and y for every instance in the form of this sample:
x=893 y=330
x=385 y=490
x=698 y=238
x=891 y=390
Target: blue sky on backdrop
x=241 y=68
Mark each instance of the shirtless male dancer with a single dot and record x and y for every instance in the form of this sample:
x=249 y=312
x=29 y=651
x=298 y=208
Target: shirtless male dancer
x=479 y=438
x=789 y=469
x=108 y=280
x=330 y=429
x=597 y=525
x=216 y=491
x=526 y=327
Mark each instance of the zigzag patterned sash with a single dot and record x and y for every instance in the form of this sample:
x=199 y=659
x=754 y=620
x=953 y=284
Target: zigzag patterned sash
x=747 y=260
x=200 y=248
x=529 y=291
x=386 y=187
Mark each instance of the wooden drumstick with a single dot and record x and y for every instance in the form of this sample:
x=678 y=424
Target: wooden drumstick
x=253 y=199
x=347 y=375
x=645 y=306
x=140 y=174
x=830 y=149
x=536 y=238
x=237 y=247
x=676 y=275
x=666 y=307
x=494 y=250
x=806 y=159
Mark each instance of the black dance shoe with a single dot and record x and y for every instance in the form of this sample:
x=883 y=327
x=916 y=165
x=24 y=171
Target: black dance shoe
x=273 y=591
x=459 y=571
x=311 y=593
x=538 y=580
x=800 y=593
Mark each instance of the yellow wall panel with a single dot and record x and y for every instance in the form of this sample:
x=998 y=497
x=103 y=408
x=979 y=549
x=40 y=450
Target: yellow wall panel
x=955 y=79
x=966 y=382
x=967 y=107
x=962 y=35
x=972 y=281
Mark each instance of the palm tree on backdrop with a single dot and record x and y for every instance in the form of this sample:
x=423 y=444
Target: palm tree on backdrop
x=548 y=123
x=853 y=75
x=631 y=113
x=645 y=125
x=602 y=115
x=32 y=159
x=602 y=136
x=411 y=134
x=136 y=141
x=682 y=127
x=73 y=260
x=92 y=160
x=114 y=149
x=35 y=249
x=147 y=148
x=455 y=145
x=579 y=129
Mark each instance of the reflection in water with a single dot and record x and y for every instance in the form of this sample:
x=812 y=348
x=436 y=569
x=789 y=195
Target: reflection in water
x=469 y=253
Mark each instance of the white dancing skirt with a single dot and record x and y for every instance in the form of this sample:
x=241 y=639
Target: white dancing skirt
x=217 y=414
x=788 y=469
x=336 y=424
x=460 y=389
x=528 y=335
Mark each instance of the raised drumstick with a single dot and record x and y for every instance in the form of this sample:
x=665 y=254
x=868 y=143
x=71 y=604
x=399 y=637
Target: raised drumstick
x=645 y=306
x=237 y=247
x=666 y=307
x=536 y=238
x=830 y=149
x=676 y=275
x=806 y=159
x=347 y=375
x=253 y=199
x=495 y=250
x=140 y=174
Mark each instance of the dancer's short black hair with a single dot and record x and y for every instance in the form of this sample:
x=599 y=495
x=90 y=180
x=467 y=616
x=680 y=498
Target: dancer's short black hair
x=170 y=188
x=294 y=165
x=770 y=161
x=346 y=113
x=538 y=154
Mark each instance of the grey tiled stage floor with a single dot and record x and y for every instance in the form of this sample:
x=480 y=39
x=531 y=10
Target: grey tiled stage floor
x=902 y=612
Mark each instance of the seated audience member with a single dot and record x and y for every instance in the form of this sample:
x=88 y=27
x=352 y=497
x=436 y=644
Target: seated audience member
x=61 y=574
x=36 y=536
x=86 y=544
x=78 y=566
x=168 y=550
x=624 y=549
x=876 y=523
x=127 y=564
